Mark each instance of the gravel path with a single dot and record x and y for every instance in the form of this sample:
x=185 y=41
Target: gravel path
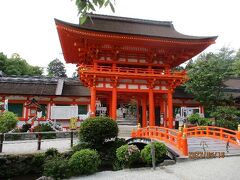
x=206 y=169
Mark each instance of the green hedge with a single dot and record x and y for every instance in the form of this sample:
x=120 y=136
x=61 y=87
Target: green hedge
x=196 y=119
x=45 y=128
x=8 y=121
x=52 y=152
x=128 y=155
x=57 y=168
x=160 y=153
x=85 y=161
x=96 y=131
x=15 y=165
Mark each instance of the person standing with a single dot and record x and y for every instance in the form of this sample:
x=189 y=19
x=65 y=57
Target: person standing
x=124 y=110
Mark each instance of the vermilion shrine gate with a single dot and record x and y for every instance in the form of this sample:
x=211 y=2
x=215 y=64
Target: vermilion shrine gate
x=119 y=58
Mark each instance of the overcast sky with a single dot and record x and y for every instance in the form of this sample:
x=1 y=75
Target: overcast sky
x=27 y=26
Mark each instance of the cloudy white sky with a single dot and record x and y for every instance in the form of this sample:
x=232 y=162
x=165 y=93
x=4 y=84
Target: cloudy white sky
x=27 y=26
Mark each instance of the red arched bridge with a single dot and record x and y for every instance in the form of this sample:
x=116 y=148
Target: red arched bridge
x=194 y=139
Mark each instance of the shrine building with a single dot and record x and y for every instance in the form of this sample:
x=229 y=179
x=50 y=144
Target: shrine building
x=19 y=91
x=120 y=59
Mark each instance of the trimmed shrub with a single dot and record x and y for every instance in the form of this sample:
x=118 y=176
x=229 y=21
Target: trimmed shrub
x=85 y=161
x=160 y=152
x=57 y=168
x=52 y=152
x=37 y=163
x=108 y=152
x=80 y=146
x=8 y=121
x=18 y=165
x=97 y=130
x=196 y=119
x=204 y=122
x=128 y=155
x=45 y=128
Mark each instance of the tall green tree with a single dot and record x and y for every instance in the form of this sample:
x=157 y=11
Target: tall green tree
x=236 y=64
x=18 y=66
x=89 y=6
x=56 y=69
x=3 y=60
x=206 y=76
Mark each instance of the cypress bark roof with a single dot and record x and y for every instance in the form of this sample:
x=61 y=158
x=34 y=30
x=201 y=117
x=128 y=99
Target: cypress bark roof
x=131 y=26
x=42 y=86
x=45 y=86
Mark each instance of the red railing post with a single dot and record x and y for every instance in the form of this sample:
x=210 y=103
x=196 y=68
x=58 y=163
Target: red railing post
x=195 y=131
x=166 y=134
x=238 y=132
x=133 y=134
x=179 y=139
x=184 y=145
x=221 y=133
x=185 y=128
x=207 y=131
x=179 y=136
x=138 y=132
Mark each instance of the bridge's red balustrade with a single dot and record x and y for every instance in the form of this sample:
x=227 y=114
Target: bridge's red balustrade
x=171 y=136
x=179 y=138
x=214 y=132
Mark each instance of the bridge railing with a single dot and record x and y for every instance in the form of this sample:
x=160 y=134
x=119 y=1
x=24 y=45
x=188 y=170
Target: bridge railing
x=214 y=132
x=167 y=135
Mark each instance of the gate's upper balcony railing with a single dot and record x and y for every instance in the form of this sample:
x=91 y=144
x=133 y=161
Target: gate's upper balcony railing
x=90 y=69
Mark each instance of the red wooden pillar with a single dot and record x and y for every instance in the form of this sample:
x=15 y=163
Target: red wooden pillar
x=114 y=103
x=170 y=110
x=50 y=104
x=93 y=101
x=138 y=107
x=151 y=108
x=110 y=107
x=144 y=111
x=161 y=103
x=165 y=110
x=26 y=109
x=202 y=109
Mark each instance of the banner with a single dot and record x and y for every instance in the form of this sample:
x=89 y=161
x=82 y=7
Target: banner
x=64 y=112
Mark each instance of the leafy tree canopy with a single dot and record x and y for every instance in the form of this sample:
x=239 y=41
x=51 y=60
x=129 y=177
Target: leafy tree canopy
x=89 y=6
x=236 y=64
x=18 y=66
x=207 y=74
x=56 y=69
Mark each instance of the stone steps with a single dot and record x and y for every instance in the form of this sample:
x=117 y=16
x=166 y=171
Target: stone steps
x=125 y=130
x=127 y=121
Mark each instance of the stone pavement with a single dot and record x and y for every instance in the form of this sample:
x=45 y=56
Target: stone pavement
x=204 y=169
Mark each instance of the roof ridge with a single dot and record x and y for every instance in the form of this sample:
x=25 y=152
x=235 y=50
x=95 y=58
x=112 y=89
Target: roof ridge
x=128 y=19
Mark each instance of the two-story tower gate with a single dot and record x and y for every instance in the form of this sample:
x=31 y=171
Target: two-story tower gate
x=117 y=56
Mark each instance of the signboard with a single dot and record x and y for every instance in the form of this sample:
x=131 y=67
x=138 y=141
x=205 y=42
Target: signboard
x=64 y=112
x=73 y=123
